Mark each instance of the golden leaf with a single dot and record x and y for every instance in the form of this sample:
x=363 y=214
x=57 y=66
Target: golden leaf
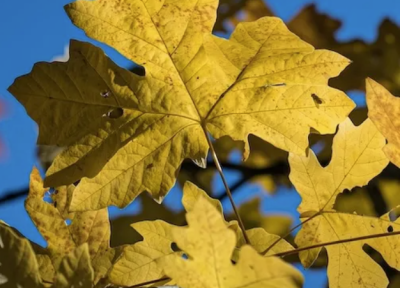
x=209 y=244
x=349 y=265
x=137 y=263
x=357 y=157
x=127 y=133
x=191 y=194
x=383 y=110
x=377 y=59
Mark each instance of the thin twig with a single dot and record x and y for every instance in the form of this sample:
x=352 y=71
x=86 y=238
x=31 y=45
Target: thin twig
x=149 y=282
x=290 y=231
x=228 y=191
x=279 y=168
x=13 y=195
x=298 y=250
x=234 y=187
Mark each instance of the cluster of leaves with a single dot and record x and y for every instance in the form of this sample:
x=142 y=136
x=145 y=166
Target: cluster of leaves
x=377 y=60
x=267 y=165
x=125 y=134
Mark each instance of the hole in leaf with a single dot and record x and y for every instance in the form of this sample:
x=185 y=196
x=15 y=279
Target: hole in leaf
x=68 y=222
x=105 y=94
x=390 y=229
x=175 y=247
x=47 y=197
x=115 y=113
x=55 y=204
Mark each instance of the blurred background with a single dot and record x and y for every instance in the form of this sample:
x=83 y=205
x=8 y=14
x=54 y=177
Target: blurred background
x=367 y=32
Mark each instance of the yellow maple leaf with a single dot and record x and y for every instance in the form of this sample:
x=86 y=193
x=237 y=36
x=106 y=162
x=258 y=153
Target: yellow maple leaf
x=383 y=110
x=127 y=133
x=209 y=245
x=138 y=262
x=349 y=265
x=18 y=265
x=357 y=157
x=192 y=193
x=258 y=237
x=90 y=227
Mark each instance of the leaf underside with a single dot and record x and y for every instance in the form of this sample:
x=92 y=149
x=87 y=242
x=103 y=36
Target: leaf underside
x=126 y=134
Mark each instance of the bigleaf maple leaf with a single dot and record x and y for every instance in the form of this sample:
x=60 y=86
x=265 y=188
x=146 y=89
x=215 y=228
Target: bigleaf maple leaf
x=138 y=262
x=357 y=157
x=383 y=109
x=208 y=244
x=126 y=134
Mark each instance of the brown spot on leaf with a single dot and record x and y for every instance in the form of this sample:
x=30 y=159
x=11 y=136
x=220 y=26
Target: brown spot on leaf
x=316 y=99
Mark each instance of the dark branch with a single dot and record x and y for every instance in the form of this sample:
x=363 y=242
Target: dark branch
x=278 y=169
x=13 y=195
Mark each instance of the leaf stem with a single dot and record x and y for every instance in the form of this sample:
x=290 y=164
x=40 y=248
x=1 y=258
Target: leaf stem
x=149 y=282
x=228 y=191
x=298 y=250
x=290 y=231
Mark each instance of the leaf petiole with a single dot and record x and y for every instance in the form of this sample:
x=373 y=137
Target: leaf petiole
x=228 y=191
x=290 y=231
x=298 y=250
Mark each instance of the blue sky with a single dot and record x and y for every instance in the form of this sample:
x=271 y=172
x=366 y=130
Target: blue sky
x=39 y=30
